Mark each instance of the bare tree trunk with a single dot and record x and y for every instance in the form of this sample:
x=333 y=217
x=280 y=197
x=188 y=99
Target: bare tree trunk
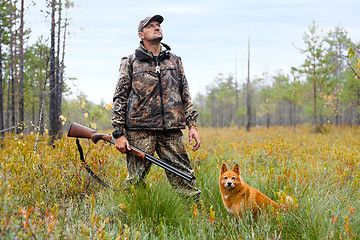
x=16 y=78
x=53 y=118
x=12 y=98
x=8 y=106
x=248 y=97
x=21 y=56
x=358 y=107
x=291 y=104
x=41 y=115
x=315 y=112
x=236 y=96
x=1 y=88
x=279 y=113
x=42 y=91
x=33 y=115
x=59 y=70
x=294 y=117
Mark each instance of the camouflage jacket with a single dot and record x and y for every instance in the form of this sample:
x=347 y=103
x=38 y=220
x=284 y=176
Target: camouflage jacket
x=152 y=96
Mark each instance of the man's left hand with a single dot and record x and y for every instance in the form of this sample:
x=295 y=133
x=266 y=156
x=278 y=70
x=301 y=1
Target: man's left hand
x=193 y=134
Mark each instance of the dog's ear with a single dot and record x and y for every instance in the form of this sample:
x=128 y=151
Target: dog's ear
x=223 y=168
x=236 y=169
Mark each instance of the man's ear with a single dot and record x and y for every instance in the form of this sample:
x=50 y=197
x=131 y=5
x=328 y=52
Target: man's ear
x=141 y=35
x=223 y=168
x=236 y=169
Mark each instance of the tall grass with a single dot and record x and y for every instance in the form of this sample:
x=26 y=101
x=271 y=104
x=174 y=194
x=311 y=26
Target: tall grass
x=49 y=195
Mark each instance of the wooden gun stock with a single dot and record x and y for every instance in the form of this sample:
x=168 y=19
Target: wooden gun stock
x=80 y=131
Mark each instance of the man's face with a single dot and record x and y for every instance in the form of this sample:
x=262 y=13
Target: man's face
x=152 y=31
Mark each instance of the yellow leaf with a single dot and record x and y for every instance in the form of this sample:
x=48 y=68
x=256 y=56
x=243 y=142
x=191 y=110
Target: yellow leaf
x=195 y=213
x=122 y=206
x=347 y=223
x=108 y=107
x=86 y=115
x=212 y=214
x=351 y=209
x=93 y=125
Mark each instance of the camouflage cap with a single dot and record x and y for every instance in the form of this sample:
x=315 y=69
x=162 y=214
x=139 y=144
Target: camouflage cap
x=146 y=20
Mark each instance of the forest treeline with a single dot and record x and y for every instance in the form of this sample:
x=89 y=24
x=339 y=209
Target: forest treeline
x=32 y=75
x=325 y=89
x=34 y=85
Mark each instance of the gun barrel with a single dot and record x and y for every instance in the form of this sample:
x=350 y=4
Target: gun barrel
x=165 y=165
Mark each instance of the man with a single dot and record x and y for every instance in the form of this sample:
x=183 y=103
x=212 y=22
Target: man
x=151 y=105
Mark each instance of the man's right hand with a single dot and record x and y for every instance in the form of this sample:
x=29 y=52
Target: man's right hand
x=122 y=144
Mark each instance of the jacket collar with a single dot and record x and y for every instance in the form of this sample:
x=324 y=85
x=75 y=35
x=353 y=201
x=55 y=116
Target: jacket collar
x=144 y=55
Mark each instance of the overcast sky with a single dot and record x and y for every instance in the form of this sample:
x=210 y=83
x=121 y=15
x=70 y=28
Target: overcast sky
x=209 y=36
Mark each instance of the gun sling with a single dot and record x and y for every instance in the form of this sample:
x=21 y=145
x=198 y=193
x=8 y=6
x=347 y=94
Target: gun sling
x=82 y=158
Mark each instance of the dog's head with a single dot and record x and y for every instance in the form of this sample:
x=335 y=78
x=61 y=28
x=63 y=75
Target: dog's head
x=229 y=178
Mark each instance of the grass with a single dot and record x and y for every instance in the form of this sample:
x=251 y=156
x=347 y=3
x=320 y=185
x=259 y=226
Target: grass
x=49 y=195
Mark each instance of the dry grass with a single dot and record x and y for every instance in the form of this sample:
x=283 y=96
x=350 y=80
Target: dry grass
x=49 y=195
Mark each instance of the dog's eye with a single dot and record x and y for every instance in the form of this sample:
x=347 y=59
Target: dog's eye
x=225 y=178
x=233 y=178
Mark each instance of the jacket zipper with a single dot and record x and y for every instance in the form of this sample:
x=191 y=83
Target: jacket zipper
x=157 y=70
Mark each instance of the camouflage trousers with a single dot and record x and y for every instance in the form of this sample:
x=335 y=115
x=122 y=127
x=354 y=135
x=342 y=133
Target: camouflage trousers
x=170 y=147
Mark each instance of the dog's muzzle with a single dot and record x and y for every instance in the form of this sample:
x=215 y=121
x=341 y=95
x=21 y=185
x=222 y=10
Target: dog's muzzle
x=229 y=184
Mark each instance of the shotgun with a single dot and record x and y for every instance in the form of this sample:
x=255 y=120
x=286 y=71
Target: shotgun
x=80 y=131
